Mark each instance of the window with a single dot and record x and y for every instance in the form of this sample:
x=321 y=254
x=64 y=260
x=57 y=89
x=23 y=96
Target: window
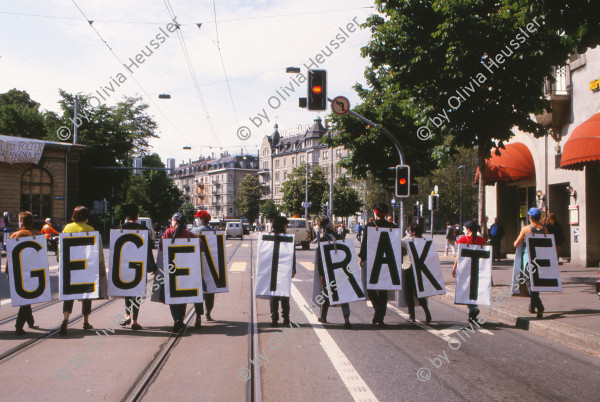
x=276 y=162
x=300 y=224
x=293 y=161
x=230 y=177
x=301 y=159
x=308 y=143
x=266 y=165
x=276 y=189
x=284 y=161
x=36 y=193
x=277 y=176
x=284 y=175
x=230 y=210
x=325 y=155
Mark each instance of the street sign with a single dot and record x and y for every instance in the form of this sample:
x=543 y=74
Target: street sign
x=306 y=204
x=340 y=105
x=435 y=189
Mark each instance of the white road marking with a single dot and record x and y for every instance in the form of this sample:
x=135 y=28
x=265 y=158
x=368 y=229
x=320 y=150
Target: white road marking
x=308 y=265
x=245 y=245
x=358 y=388
x=238 y=266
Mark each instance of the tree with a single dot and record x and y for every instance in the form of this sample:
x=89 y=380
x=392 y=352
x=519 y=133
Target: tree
x=20 y=115
x=269 y=210
x=294 y=190
x=249 y=194
x=346 y=201
x=188 y=211
x=462 y=70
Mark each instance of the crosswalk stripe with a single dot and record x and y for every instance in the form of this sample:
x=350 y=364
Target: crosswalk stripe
x=308 y=265
x=238 y=266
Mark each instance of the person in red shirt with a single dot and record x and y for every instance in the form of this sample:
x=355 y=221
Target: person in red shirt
x=470 y=237
x=48 y=230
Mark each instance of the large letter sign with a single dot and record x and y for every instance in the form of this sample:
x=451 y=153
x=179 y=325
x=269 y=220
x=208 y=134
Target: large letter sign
x=384 y=259
x=342 y=275
x=183 y=282
x=274 y=266
x=28 y=270
x=543 y=261
x=79 y=266
x=429 y=280
x=214 y=268
x=128 y=262
x=473 y=274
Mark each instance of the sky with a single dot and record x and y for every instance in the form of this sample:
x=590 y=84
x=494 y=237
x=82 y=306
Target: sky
x=235 y=76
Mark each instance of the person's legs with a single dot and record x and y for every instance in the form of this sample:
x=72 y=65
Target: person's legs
x=324 y=310
x=536 y=302
x=209 y=299
x=473 y=311
x=199 y=309
x=21 y=319
x=285 y=310
x=409 y=292
x=374 y=297
x=346 y=313
x=86 y=310
x=382 y=301
x=423 y=303
x=446 y=248
x=274 y=307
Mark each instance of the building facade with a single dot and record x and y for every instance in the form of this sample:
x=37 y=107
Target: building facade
x=559 y=172
x=278 y=156
x=40 y=177
x=212 y=183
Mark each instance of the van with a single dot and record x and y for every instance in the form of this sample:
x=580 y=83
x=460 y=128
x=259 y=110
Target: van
x=300 y=228
x=147 y=222
x=234 y=229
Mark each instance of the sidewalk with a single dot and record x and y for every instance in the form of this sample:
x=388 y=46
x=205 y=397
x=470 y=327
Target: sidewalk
x=571 y=316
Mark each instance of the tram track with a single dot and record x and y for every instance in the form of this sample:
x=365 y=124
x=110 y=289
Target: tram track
x=146 y=378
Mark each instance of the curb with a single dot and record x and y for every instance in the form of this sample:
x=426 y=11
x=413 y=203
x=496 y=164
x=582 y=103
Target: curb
x=571 y=336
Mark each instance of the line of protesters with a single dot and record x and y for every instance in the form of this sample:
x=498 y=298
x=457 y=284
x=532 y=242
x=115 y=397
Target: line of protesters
x=378 y=298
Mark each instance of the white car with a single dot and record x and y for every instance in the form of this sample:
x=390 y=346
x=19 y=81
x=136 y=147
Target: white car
x=301 y=230
x=234 y=229
x=148 y=223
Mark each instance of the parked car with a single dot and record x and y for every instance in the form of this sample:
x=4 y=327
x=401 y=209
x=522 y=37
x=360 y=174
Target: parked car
x=147 y=222
x=301 y=230
x=246 y=228
x=234 y=229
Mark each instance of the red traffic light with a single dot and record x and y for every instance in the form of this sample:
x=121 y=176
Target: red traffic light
x=402 y=181
x=317 y=89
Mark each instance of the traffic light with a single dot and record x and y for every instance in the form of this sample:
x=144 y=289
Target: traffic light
x=415 y=210
x=317 y=90
x=324 y=208
x=402 y=181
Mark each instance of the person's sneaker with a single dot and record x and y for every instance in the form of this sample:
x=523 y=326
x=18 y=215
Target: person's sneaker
x=274 y=323
x=347 y=324
x=177 y=326
x=126 y=322
x=136 y=326
x=87 y=325
x=375 y=319
x=63 y=328
x=20 y=331
x=198 y=323
x=410 y=319
x=322 y=320
x=286 y=322
x=208 y=317
x=31 y=323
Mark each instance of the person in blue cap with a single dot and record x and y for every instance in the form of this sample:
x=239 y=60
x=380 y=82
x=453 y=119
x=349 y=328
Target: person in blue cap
x=535 y=226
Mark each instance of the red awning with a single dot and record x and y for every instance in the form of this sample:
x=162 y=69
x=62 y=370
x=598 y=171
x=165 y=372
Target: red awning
x=514 y=163
x=583 y=145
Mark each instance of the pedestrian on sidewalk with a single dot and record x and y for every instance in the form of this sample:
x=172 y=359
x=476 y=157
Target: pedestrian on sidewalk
x=408 y=276
x=556 y=229
x=177 y=230
x=209 y=298
x=280 y=224
x=359 y=231
x=132 y=309
x=496 y=235
x=450 y=239
x=80 y=218
x=535 y=226
x=379 y=298
x=25 y=314
x=328 y=235
x=470 y=237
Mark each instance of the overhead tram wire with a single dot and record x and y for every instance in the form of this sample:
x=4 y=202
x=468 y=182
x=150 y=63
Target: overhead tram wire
x=130 y=74
x=188 y=60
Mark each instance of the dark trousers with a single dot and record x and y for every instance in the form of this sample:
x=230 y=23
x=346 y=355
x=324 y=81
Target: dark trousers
x=25 y=315
x=285 y=307
x=535 y=301
x=86 y=306
x=325 y=306
x=495 y=248
x=177 y=311
x=408 y=279
x=379 y=299
x=209 y=299
x=132 y=308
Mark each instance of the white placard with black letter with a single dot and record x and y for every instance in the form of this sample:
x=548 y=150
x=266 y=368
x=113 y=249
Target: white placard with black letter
x=79 y=265
x=28 y=270
x=543 y=263
x=128 y=262
x=274 y=264
x=426 y=267
x=342 y=275
x=183 y=281
x=214 y=262
x=384 y=258
x=473 y=274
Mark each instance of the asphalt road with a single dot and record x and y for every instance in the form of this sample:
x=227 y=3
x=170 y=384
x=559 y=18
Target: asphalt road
x=308 y=361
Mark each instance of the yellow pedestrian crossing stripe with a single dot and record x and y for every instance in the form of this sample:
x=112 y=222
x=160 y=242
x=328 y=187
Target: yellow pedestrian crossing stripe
x=238 y=266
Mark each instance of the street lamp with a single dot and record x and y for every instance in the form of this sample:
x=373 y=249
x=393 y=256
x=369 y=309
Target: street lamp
x=460 y=169
x=306 y=204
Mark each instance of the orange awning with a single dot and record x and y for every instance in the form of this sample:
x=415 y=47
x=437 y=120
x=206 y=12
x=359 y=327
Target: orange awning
x=583 y=145
x=514 y=163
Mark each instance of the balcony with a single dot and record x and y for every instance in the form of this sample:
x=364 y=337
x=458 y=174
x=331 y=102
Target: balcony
x=559 y=95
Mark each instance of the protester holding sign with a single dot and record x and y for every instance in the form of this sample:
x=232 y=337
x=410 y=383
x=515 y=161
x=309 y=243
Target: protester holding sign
x=132 y=309
x=280 y=227
x=408 y=276
x=25 y=314
x=379 y=298
x=80 y=218
x=209 y=298
x=328 y=236
x=470 y=237
x=176 y=231
x=535 y=226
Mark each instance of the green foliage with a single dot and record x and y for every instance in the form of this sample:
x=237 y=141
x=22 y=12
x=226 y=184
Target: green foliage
x=294 y=190
x=269 y=210
x=20 y=115
x=189 y=211
x=249 y=194
x=346 y=201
